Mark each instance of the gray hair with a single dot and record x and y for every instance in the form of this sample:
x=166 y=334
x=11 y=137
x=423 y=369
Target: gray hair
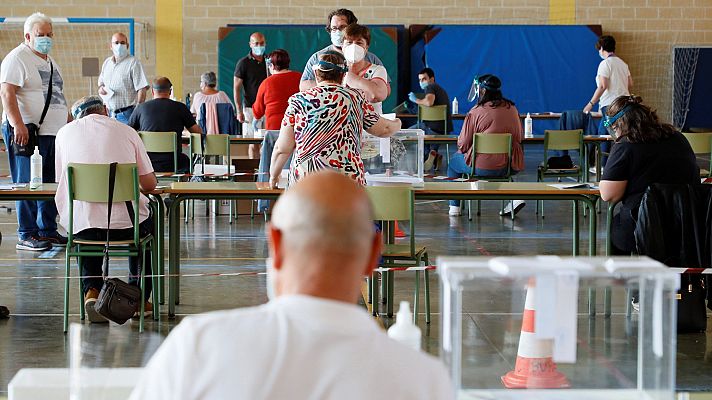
x=309 y=226
x=87 y=105
x=209 y=78
x=34 y=19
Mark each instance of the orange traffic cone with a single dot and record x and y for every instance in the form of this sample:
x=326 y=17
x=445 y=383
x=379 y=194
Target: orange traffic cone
x=398 y=231
x=535 y=369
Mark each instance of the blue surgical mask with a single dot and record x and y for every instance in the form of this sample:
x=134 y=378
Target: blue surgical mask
x=424 y=85
x=120 y=50
x=337 y=38
x=258 y=50
x=43 y=44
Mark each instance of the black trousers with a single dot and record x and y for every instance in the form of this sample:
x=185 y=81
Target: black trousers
x=91 y=266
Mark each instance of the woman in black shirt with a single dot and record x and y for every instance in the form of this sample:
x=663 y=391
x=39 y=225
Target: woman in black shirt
x=645 y=151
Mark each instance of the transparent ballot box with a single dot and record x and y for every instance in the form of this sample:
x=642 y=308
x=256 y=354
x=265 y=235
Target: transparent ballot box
x=398 y=159
x=519 y=328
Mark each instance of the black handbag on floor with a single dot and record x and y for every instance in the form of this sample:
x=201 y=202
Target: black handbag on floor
x=33 y=130
x=118 y=301
x=691 y=310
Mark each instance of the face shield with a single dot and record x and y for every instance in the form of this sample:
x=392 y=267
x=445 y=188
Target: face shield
x=608 y=121
x=474 y=91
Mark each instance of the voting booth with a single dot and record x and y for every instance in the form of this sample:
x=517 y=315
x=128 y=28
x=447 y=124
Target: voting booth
x=517 y=328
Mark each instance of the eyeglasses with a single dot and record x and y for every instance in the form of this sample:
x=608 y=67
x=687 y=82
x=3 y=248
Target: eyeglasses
x=335 y=29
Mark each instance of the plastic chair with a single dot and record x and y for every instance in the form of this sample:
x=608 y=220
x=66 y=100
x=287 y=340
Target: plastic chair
x=438 y=114
x=561 y=140
x=433 y=113
x=491 y=143
x=83 y=181
x=214 y=145
x=396 y=203
x=701 y=143
x=161 y=142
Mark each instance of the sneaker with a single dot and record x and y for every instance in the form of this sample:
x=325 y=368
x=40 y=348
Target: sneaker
x=89 y=302
x=438 y=162
x=147 y=310
x=636 y=305
x=33 y=243
x=428 y=163
x=4 y=312
x=56 y=239
x=593 y=170
x=517 y=204
x=454 y=211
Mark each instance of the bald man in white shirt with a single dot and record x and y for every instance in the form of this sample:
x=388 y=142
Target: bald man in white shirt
x=311 y=341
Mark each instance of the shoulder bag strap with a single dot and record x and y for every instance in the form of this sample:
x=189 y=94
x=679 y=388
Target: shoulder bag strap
x=49 y=93
x=112 y=179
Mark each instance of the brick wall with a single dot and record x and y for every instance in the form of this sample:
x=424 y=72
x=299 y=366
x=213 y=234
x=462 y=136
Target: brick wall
x=646 y=29
x=73 y=41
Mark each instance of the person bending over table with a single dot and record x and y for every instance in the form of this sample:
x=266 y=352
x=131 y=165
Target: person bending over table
x=94 y=138
x=645 y=151
x=323 y=125
x=273 y=93
x=492 y=113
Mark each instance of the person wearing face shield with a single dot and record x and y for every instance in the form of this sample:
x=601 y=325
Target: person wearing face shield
x=645 y=151
x=32 y=94
x=250 y=71
x=364 y=75
x=492 y=114
x=122 y=82
x=336 y=22
x=613 y=80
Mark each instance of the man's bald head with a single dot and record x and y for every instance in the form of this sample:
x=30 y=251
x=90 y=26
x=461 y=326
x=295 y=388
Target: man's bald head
x=119 y=38
x=257 y=38
x=325 y=211
x=322 y=235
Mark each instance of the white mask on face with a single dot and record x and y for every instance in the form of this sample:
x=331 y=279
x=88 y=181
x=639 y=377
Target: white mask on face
x=120 y=50
x=354 y=53
x=271 y=295
x=337 y=38
x=600 y=54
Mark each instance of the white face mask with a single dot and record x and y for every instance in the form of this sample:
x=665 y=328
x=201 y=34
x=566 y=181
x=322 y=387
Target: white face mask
x=120 y=50
x=354 y=53
x=271 y=295
x=600 y=54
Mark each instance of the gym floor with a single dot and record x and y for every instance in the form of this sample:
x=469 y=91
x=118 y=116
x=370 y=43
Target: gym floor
x=32 y=336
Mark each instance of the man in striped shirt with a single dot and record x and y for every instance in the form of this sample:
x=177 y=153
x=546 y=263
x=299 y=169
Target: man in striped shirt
x=122 y=83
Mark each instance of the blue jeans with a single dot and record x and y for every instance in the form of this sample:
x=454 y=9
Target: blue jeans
x=457 y=166
x=35 y=218
x=124 y=116
x=605 y=146
x=428 y=131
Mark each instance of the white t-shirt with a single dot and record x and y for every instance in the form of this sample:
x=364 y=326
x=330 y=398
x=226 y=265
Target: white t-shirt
x=294 y=347
x=375 y=71
x=23 y=68
x=617 y=72
x=97 y=139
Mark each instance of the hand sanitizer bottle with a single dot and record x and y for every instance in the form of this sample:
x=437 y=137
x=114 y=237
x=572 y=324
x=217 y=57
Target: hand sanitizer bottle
x=404 y=330
x=528 y=127
x=36 y=169
x=455 y=106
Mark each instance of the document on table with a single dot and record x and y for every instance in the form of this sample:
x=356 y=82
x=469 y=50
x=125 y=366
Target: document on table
x=12 y=186
x=576 y=185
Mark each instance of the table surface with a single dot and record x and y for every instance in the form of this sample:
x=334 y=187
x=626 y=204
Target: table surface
x=429 y=187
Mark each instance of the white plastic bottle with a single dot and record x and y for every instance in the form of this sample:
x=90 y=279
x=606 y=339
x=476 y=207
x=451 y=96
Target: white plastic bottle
x=528 y=127
x=455 y=106
x=36 y=169
x=404 y=330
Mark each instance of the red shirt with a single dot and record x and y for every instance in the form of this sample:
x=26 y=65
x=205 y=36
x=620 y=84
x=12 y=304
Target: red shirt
x=272 y=97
